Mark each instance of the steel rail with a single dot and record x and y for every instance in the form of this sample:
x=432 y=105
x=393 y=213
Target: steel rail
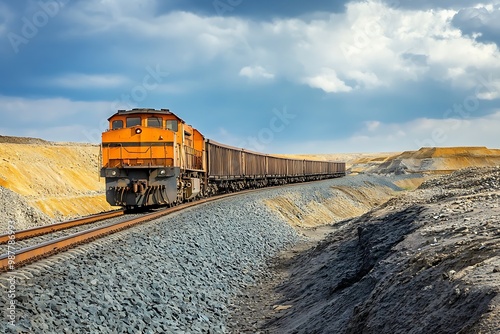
x=41 y=230
x=32 y=253
x=13 y=259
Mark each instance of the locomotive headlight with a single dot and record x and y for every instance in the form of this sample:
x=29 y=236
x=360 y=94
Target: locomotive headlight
x=138 y=131
x=162 y=172
x=112 y=173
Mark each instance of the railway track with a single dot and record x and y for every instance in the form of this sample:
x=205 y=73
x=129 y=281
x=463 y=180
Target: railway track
x=35 y=243
x=42 y=230
x=38 y=235
x=40 y=242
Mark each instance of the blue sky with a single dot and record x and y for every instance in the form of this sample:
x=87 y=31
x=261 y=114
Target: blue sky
x=277 y=77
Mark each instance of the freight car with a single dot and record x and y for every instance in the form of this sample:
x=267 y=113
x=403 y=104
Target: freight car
x=152 y=157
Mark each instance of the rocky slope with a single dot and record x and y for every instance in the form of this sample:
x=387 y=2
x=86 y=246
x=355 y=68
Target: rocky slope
x=58 y=179
x=16 y=213
x=426 y=262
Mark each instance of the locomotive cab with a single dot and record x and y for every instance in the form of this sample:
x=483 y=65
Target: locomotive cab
x=151 y=157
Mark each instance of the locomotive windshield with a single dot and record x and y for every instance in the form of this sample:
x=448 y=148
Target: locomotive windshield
x=155 y=122
x=172 y=125
x=117 y=125
x=133 y=121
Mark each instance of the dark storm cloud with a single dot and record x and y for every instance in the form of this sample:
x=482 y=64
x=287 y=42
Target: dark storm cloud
x=480 y=20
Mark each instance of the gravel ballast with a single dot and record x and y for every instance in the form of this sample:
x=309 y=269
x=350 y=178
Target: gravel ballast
x=178 y=274
x=16 y=212
x=426 y=262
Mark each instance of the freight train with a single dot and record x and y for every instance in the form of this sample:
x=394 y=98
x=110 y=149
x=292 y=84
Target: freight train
x=152 y=157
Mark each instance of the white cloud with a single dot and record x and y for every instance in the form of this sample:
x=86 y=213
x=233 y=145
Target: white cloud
x=364 y=48
x=255 y=72
x=481 y=22
x=196 y=38
x=43 y=110
x=328 y=81
x=376 y=136
x=372 y=125
x=488 y=87
x=80 y=80
x=364 y=79
x=368 y=46
x=48 y=109
x=55 y=118
x=389 y=137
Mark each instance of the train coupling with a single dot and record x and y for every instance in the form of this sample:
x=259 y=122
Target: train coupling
x=139 y=186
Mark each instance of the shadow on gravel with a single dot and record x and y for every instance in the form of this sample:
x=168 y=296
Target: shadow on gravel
x=355 y=282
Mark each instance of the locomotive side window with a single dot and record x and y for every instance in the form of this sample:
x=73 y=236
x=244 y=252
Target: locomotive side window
x=155 y=122
x=133 y=121
x=117 y=125
x=172 y=125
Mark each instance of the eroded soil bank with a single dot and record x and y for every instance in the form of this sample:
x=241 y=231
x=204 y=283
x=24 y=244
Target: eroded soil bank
x=42 y=182
x=61 y=180
x=426 y=262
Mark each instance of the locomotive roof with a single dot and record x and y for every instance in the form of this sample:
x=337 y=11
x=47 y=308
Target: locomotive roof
x=146 y=111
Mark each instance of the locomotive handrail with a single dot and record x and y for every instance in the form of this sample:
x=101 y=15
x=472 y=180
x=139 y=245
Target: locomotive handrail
x=148 y=150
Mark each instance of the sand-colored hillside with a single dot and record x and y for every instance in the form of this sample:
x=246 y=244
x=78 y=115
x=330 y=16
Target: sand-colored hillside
x=439 y=160
x=427 y=160
x=58 y=179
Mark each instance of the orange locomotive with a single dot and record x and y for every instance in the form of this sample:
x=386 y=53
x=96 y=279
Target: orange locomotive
x=152 y=157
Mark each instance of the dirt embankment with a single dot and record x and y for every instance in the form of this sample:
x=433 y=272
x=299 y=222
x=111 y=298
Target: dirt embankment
x=426 y=262
x=427 y=160
x=344 y=201
x=60 y=180
x=438 y=160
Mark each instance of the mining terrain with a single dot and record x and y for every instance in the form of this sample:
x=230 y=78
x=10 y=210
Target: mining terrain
x=42 y=182
x=427 y=160
x=427 y=261
x=406 y=243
